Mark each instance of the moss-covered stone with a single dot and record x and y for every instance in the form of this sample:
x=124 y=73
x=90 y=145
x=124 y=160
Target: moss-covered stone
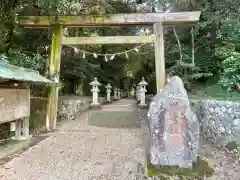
x=232 y=145
x=198 y=172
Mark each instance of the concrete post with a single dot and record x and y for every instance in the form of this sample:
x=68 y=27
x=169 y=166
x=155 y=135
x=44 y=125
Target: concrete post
x=21 y=129
x=25 y=122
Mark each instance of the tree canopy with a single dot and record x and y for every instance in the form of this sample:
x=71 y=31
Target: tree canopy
x=204 y=54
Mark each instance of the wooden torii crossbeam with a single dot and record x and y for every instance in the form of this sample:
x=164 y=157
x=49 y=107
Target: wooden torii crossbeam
x=57 y=23
x=108 y=40
x=111 y=19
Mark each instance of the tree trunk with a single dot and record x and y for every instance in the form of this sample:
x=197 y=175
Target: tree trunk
x=179 y=44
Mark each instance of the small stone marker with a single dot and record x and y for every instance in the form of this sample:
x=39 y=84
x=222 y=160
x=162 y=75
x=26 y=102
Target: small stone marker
x=142 y=92
x=108 y=90
x=174 y=128
x=95 y=90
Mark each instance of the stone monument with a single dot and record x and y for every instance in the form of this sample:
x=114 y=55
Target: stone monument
x=108 y=90
x=95 y=90
x=174 y=128
x=142 y=92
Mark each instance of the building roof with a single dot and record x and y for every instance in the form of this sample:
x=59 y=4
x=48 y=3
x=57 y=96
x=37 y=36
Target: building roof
x=11 y=72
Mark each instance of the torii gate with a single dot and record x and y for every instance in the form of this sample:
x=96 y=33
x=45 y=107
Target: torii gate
x=157 y=20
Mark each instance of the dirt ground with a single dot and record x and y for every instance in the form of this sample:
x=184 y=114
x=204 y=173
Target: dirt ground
x=81 y=151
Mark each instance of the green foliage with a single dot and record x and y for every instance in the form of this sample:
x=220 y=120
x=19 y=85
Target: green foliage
x=225 y=50
x=30 y=47
x=189 y=73
x=219 y=92
x=15 y=57
x=216 y=43
x=60 y=6
x=230 y=77
x=228 y=53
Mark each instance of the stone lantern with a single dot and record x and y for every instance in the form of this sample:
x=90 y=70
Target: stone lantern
x=119 y=94
x=142 y=92
x=108 y=90
x=95 y=90
x=115 y=93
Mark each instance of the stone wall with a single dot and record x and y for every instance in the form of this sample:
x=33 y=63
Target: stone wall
x=220 y=121
x=72 y=106
x=69 y=108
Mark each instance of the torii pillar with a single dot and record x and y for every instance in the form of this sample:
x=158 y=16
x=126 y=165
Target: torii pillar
x=157 y=20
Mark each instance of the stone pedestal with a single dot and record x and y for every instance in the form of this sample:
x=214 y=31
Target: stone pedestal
x=95 y=102
x=108 y=90
x=142 y=92
x=21 y=129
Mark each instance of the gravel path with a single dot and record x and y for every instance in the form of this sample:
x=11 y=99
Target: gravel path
x=78 y=151
x=223 y=163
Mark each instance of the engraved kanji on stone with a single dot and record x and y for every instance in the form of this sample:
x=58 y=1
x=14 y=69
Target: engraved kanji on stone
x=174 y=128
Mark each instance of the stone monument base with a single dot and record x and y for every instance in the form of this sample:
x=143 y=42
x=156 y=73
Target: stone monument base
x=198 y=170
